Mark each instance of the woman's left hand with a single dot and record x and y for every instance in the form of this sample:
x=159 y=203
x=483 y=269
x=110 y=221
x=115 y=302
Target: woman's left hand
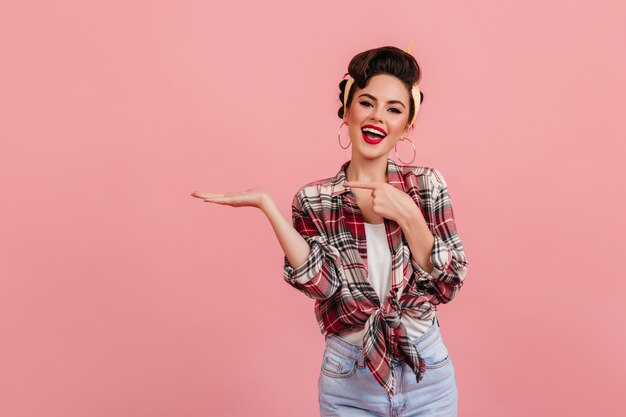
x=389 y=202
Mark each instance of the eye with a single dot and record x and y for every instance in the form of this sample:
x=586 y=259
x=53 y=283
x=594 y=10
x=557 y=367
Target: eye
x=396 y=110
x=365 y=103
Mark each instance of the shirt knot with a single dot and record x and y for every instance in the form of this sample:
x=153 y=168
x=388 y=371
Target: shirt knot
x=385 y=342
x=391 y=313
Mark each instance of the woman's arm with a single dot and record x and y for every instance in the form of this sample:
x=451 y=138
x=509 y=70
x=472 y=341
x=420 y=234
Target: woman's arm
x=438 y=258
x=318 y=263
x=296 y=249
x=419 y=238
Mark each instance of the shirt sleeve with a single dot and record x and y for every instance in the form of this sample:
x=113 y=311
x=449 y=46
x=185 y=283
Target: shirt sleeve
x=319 y=276
x=447 y=256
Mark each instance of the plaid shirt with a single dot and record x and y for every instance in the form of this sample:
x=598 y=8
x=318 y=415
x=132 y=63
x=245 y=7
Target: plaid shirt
x=335 y=274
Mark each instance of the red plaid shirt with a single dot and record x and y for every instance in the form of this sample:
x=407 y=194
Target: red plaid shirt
x=335 y=274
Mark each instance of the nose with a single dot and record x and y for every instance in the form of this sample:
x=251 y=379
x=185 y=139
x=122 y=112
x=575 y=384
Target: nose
x=377 y=113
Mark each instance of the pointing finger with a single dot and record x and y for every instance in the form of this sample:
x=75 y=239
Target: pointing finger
x=361 y=184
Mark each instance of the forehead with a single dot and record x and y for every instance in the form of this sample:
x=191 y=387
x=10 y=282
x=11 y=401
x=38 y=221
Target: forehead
x=386 y=87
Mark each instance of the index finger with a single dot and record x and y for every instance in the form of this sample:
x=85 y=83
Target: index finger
x=362 y=184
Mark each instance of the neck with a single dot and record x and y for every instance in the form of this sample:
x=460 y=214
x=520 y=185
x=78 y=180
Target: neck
x=367 y=170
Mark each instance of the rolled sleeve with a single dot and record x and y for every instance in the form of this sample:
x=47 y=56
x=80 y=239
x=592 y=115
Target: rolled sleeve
x=309 y=269
x=440 y=258
x=447 y=256
x=319 y=276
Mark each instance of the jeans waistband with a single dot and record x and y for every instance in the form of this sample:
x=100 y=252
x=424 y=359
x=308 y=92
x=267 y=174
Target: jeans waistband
x=356 y=352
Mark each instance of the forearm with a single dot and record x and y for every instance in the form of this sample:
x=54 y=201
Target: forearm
x=419 y=238
x=296 y=249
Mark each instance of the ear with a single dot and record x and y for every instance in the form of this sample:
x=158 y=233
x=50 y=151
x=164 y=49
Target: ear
x=346 y=114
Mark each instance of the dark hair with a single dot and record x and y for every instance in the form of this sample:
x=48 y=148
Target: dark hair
x=384 y=60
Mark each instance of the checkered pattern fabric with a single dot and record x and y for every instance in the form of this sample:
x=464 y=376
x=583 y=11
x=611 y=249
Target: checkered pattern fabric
x=335 y=274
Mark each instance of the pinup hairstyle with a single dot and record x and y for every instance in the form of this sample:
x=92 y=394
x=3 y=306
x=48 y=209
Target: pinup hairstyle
x=384 y=60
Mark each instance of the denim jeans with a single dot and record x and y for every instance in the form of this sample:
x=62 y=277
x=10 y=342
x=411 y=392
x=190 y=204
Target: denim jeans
x=347 y=388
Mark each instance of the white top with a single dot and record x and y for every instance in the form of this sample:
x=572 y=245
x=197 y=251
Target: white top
x=379 y=272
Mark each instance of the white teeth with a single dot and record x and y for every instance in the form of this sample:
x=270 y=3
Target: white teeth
x=374 y=131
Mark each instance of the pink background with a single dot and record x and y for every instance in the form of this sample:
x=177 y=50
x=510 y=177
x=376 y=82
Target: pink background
x=122 y=295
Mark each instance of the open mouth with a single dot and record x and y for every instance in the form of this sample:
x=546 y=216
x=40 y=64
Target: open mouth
x=372 y=135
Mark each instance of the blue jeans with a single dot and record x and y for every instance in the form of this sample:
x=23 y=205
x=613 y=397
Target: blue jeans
x=347 y=388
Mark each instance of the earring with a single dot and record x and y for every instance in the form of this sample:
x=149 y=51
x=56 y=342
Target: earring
x=396 y=150
x=339 y=136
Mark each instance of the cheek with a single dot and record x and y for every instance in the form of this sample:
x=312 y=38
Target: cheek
x=359 y=112
x=356 y=114
x=397 y=126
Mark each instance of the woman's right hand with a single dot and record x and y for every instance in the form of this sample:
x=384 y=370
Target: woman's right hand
x=296 y=248
x=252 y=197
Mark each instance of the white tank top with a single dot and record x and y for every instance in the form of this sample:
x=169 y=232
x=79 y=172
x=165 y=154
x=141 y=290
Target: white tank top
x=379 y=271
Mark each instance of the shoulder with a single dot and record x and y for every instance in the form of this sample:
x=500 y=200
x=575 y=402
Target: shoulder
x=424 y=177
x=310 y=192
x=317 y=187
x=428 y=171
x=317 y=184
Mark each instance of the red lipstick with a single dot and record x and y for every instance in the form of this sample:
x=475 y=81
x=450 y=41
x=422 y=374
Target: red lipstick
x=370 y=140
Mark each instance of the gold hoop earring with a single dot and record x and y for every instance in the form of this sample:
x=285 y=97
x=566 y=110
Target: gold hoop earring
x=414 y=151
x=339 y=136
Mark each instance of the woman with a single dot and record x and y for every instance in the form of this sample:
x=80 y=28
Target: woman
x=376 y=246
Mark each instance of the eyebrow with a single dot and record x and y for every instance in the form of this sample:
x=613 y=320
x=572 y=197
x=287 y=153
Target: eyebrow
x=390 y=101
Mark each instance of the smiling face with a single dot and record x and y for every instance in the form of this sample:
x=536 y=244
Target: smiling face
x=382 y=105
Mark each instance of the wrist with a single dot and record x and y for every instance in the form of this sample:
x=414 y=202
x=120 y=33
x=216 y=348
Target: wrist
x=267 y=203
x=411 y=220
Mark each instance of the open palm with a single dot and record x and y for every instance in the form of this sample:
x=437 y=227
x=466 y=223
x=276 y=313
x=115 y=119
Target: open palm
x=252 y=197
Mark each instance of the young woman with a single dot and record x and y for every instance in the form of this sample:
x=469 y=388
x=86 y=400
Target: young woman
x=376 y=246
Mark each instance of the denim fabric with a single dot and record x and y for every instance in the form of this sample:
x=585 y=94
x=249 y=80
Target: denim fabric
x=347 y=387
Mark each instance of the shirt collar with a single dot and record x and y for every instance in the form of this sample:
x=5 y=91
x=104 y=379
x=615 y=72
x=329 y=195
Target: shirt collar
x=394 y=178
